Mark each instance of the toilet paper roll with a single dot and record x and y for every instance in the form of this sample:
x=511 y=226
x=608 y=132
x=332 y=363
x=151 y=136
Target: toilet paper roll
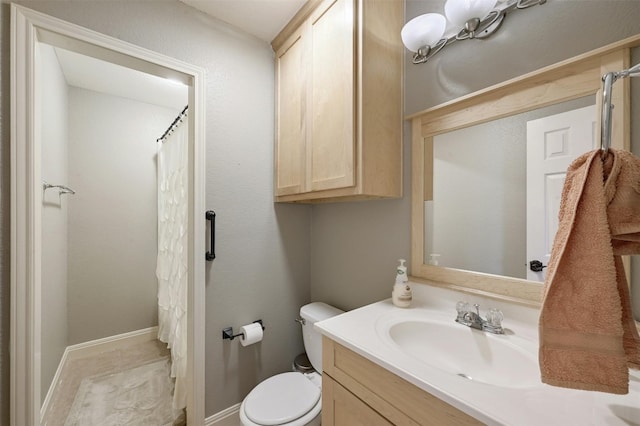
x=251 y=333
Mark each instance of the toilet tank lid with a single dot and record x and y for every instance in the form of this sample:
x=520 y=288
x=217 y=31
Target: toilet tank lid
x=318 y=311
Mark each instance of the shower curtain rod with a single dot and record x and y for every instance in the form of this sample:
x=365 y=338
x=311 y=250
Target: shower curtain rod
x=173 y=125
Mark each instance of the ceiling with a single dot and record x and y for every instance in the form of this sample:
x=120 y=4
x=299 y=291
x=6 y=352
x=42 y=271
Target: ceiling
x=90 y=73
x=261 y=18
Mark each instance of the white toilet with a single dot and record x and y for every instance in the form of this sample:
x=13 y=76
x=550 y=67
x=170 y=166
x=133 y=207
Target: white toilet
x=294 y=398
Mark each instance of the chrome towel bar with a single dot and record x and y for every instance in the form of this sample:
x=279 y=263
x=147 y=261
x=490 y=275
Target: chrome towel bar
x=607 y=86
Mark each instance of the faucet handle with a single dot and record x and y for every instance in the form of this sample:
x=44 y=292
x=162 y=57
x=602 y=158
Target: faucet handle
x=495 y=317
x=462 y=307
x=493 y=323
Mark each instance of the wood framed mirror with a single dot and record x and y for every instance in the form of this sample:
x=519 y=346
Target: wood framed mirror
x=568 y=81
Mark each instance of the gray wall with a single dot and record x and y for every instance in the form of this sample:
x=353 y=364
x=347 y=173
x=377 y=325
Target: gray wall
x=112 y=287
x=263 y=256
x=479 y=189
x=355 y=246
x=479 y=177
x=55 y=210
x=527 y=41
x=263 y=252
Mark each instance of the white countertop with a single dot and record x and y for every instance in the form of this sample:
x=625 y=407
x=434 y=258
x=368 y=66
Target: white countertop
x=539 y=404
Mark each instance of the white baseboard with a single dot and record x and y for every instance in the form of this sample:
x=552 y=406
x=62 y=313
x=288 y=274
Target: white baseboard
x=226 y=417
x=118 y=341
x=54 y=384
x=93 y=347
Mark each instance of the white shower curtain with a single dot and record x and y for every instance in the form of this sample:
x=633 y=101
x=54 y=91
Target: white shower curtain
x=171 y=268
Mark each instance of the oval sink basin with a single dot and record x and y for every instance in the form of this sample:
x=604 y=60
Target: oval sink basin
x=473 y=355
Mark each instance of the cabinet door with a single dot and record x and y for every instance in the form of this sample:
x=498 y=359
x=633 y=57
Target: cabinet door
x=331 y=139
x=341 y=408
x=290 y=116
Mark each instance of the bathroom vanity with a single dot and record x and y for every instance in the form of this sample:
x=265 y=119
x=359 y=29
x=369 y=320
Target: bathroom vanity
x=350 y=379
x=384 y=365
x=418 y=366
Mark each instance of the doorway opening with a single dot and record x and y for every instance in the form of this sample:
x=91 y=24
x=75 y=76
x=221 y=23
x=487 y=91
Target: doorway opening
x=100 y=166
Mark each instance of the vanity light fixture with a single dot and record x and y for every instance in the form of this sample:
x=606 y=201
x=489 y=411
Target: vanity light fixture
x=469 y=19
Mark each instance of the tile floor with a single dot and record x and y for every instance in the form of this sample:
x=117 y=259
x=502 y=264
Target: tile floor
x=104 y=363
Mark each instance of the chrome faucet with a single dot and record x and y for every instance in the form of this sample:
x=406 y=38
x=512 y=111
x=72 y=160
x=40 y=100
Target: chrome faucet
x=466 y=316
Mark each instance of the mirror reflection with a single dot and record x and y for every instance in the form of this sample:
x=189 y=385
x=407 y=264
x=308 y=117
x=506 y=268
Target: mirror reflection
x=492 y=190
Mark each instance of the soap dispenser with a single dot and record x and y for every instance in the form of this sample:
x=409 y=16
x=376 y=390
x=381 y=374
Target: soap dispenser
x=401 y=294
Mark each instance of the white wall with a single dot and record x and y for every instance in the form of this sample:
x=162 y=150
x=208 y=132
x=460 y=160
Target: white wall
x=113 y=215
x=262 y=264
x=55 y=208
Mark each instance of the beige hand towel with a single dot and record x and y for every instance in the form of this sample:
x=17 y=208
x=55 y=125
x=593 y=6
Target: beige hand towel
x=588 y=338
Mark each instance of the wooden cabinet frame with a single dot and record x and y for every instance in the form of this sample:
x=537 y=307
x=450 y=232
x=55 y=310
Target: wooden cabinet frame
x=392 y=399
x=339 y=138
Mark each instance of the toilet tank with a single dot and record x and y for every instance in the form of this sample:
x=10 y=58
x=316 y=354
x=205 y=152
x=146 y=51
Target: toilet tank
x=311 y=313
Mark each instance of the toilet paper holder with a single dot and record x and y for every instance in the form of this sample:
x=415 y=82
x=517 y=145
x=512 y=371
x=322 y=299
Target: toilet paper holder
x=227 y=333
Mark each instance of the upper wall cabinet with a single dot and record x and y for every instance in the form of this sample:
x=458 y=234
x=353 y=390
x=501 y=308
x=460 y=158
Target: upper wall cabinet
x=339 y=102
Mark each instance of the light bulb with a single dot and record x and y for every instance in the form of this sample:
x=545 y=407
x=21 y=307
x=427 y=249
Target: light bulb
x=423 y=30
x=460 y=11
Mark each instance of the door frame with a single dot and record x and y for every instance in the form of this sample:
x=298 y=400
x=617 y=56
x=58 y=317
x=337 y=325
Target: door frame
x=28 y=27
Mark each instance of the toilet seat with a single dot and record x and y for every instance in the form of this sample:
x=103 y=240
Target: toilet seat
x=290 y=399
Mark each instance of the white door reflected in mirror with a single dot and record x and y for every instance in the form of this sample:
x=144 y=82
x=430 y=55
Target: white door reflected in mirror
x=553 y=143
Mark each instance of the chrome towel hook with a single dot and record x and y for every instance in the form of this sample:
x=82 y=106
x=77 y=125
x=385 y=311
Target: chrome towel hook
x=61 y=188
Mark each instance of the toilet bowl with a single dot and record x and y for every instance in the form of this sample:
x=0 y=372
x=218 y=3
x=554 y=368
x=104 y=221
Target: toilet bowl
x=292 y=398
